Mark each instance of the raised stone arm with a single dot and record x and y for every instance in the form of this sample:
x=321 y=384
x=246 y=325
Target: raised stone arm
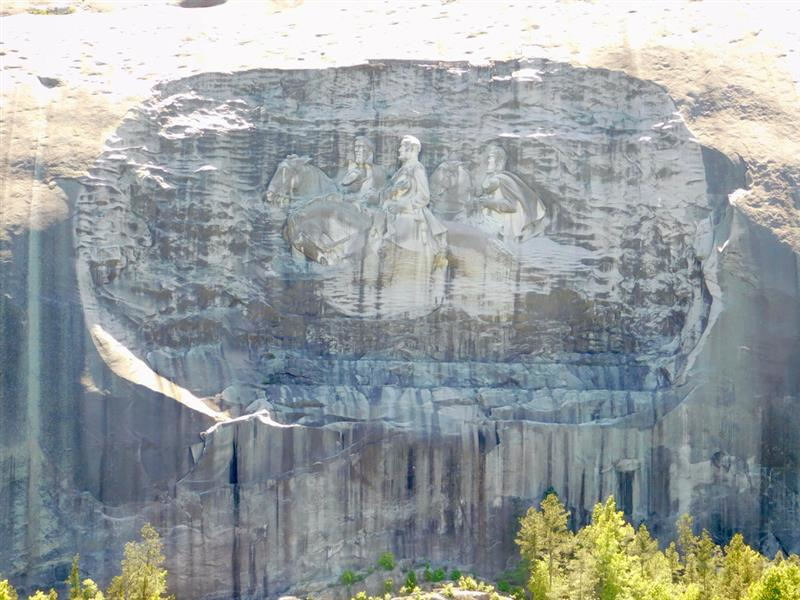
x=495 y=201
x=352 y=176
x=399 y=197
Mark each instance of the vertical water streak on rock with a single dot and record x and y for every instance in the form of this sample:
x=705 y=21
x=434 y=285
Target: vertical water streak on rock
x=33 y=355
x=33 y=391
x=233 y=479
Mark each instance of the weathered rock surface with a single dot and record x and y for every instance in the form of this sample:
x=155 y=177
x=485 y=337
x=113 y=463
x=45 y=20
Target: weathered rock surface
x=643 y=345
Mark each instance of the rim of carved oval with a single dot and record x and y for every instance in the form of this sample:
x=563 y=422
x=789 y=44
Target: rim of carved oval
x=185 y=259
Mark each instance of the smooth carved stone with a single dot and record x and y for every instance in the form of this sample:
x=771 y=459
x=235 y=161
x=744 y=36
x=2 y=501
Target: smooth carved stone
x=451 y=190
x=396 y=247
x=327 y=230
x=333 y=238
x=296 y=179
x=362 y=176
x=364 y=221
x=409 y=222
x=507 y=207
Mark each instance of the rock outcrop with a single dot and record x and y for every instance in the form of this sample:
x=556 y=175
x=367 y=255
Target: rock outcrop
x=281 y=418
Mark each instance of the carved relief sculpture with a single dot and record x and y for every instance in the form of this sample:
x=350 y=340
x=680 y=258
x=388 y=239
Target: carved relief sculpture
x=409 y=222
x=506 y=206
x=451 y=190
x=362 y=177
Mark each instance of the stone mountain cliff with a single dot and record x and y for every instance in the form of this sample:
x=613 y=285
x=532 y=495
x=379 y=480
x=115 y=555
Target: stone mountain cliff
x=280 y=419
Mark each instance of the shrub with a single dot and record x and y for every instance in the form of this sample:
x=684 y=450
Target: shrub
x=455 y=575
x=404 y=591
x=467 y=583
x=411 y=580
x=388 y=586
x=348 y=578
x=473 y=585
x=386 y=561
x=427 y=575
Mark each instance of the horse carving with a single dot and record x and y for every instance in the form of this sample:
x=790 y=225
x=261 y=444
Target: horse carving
x=451 y=190
x=295 y=179
x=320 y=224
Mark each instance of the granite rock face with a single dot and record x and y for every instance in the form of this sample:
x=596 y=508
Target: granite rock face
x=281 y=418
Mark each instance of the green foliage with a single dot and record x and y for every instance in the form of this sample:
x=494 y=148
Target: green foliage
x=386 y=561
x=88 y=590
x=74 y=581
x=40 y=595
x=143 y=577
x=91 y=591
x=692 y=592
x=515 y=577
x=433 y=576
x=416 y=591
x=411 y=580
x=518 y=593
x=608 y=535
x=608 y=560
x=362 y=595
x=467 y=583
x=778 y=582
x=741 y=568
x=7 y=591
x=473 y=585
x=539 y=584
x=544 y=536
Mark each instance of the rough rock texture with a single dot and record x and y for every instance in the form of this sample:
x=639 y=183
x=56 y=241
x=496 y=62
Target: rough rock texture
x=644 y=345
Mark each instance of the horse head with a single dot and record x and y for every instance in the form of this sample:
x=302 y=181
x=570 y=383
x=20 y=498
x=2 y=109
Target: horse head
x=297 y=178
x=287 y=182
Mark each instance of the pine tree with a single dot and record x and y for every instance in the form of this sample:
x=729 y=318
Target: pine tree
x=708 y=557
x=143 y=577
x=543 y=539
x=741 y=567
x=580 y=571
x=687 y=542
x=609 y=533
x=779 y=582
x=644 y=548
x=539 y=584
x=701 y=557
x=74 y=581
x=674 y=562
